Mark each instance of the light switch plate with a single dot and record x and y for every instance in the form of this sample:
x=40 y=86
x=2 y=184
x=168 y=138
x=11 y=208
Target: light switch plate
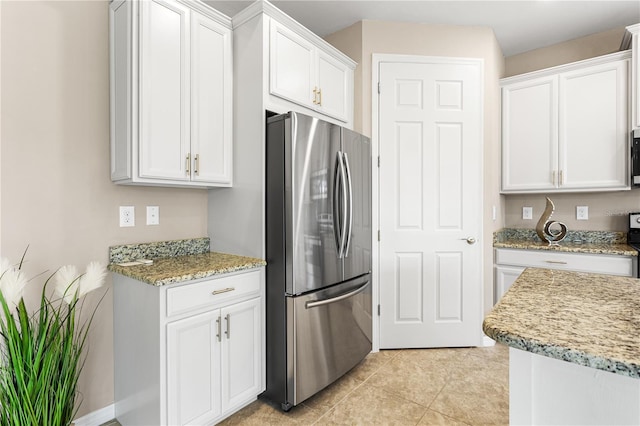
x=582 y=212
x=527 y=213
x=153 y=215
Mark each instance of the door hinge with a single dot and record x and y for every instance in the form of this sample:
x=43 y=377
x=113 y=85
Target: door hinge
x=378 y=87
x=378 y=235
x=378 y=310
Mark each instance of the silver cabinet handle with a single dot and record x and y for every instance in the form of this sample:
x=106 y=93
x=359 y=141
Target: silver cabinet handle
x=553 y=178
x=228 y=332
x=561 y=179
x=197 y=165
x=469 y=240
x=323 y=302
x=219 y=324
x=188 y=163
x=222 y=290
x=557 y=262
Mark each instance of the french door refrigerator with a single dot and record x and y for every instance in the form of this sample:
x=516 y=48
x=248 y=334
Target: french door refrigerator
x=318 y=245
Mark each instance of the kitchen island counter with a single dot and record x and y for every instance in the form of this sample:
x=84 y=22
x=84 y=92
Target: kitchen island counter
x=574 y=342
x=588 y=319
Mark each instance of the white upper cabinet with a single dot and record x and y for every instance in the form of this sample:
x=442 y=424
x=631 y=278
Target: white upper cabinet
x=593 y=117
x=335 y=87
x=171 y=94
x=632 y=40
x=305 y=73
x=293 y=66
x=529 y=134
x=565 y=129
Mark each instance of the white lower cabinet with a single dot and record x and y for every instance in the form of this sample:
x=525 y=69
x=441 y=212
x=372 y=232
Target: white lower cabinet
x=504 y=276
x=509 y=264
x=193 y=364
x=221 y=347
x=187 y=354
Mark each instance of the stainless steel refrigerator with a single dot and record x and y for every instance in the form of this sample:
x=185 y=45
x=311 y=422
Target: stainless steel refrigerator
x=318 y=244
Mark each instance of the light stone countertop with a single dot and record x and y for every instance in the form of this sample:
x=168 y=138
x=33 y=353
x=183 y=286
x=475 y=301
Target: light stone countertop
x=588 y=319
x=595 y=242
x=176 y=269
x=620 y=249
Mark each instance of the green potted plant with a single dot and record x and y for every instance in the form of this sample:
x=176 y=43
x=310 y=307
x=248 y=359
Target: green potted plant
x=41 y=353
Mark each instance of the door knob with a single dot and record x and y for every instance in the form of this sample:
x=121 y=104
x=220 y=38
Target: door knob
x=469 y=240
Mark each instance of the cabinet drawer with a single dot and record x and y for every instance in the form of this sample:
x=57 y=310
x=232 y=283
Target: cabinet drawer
x=580 y=262
x=212 y=292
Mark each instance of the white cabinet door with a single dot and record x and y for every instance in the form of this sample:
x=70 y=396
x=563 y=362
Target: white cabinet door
x=593 y=127
x=210 y=101
x=504 y=277
x=292 y=66
x=171 y=94
x=634 y=30
x=303 y=73
x=529 y=135
x=334 y=85
x=565 y=129
x=241 y=349
x=164 y=90
x=193 y=369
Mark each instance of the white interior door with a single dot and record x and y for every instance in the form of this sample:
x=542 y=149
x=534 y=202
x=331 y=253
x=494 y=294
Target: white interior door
x=430 y=205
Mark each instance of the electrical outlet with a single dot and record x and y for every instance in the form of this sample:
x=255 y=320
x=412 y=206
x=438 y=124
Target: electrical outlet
x=582 y=212
x=153 y=215
x=527 y=213
x=127 y=216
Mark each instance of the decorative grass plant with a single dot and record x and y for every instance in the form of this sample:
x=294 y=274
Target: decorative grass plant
x=41 y=353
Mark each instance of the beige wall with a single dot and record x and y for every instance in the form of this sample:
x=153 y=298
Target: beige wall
x=562 y=53
x=437 y=40
x=56 y=193
x=607 y=210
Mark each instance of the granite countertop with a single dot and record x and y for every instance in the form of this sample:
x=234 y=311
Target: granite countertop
x=596 y=242
x=176 y=261
x=588 y=319
x=177 y=269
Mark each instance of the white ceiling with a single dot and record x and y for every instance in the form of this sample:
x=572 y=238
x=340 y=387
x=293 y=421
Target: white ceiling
x=519 y=25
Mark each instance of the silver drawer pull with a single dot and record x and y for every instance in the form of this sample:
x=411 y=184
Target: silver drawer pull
x=559 y=262
x=222 y=290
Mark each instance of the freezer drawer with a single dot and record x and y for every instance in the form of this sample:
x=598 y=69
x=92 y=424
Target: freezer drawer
x=330 y=334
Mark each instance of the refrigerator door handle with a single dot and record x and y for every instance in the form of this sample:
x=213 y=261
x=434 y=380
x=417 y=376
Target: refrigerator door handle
x=340 y=199
x=337 y=223
x=347 y=236
x=345 y=207
x=315 y=304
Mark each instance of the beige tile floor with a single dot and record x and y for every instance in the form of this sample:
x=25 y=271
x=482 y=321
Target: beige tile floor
x=467 y=386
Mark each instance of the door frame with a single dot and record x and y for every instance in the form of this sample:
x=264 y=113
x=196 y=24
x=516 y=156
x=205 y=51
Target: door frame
x=376 y=60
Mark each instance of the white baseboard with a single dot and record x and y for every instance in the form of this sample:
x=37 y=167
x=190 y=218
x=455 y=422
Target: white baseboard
x=98 y=417
x=487 y=341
